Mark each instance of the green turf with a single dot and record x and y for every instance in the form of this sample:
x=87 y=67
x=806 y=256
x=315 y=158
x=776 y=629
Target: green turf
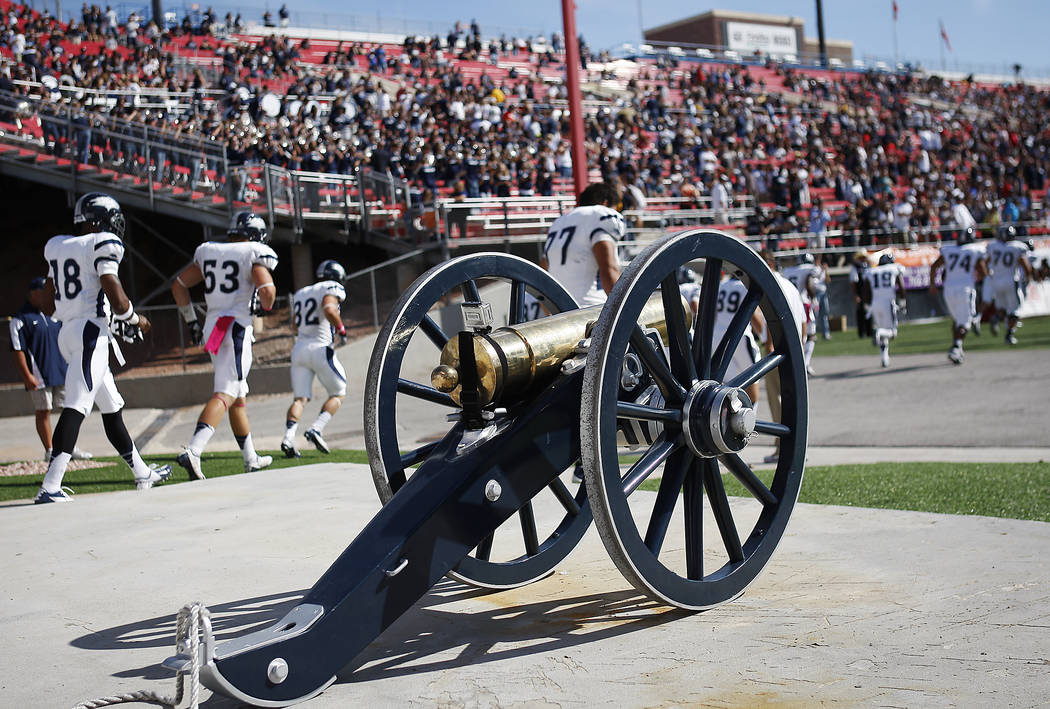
x=118 y=477
x=1011 y=490
x=936 y=337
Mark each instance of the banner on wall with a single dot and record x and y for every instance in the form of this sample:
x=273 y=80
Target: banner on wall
x=747 y=38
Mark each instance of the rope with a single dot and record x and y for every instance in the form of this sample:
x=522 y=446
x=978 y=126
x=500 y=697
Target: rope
x=193 y=620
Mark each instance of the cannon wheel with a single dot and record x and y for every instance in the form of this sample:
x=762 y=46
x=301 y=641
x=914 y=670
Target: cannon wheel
x=660 y=547
x=384 y=385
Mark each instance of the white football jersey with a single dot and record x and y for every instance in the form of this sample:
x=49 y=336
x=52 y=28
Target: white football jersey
x=883 y=282
x=227 y=269
x=731 y=293
x=568 y=249
x=1004 y=261
x=308 y=312
x=960 y=263
x=75 y=264
x=799 y=275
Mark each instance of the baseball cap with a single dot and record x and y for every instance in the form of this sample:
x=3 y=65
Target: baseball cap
x=37 y=283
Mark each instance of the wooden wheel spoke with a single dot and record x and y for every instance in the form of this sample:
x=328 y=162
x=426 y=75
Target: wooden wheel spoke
x=666 y=498
x=773 y=429
x=703 y=330
x=528 y=529
x=693 y=503
x=716 y=495
x=422 y=391
x=682 y=363
x=737 y=326
x=653 y=361
x=470 y=292
x=756 y=371
x=647 y=413
x=652 y=459
x=418 y=455
x=433 y=331
x=517 y=302
x=742 y=471
x=564 y=497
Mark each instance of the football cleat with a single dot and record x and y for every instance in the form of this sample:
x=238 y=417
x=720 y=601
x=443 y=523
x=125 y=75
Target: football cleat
x=260 y=462
x=192 y=463
x=157 y=474
x=81 y=454
x=976 y=327
x=315 y=438
x=1010 y=339
x=44 y=497
x=290 y=451
x=955 y=354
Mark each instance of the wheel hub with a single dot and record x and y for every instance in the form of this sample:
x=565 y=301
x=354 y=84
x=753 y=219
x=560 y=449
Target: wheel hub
x=717 y=419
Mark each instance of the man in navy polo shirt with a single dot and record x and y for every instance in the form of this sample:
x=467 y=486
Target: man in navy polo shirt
x=34 y=342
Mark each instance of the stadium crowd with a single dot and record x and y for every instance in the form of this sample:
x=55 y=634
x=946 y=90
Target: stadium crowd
x=867 y=153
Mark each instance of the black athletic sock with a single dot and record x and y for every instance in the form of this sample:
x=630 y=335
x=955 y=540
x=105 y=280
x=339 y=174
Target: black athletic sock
x=119 y=438
x=66 y=432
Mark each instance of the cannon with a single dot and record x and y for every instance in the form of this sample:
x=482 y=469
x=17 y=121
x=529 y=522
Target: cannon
x=633 y=392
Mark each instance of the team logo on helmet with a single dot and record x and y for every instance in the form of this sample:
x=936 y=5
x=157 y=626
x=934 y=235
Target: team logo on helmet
x=248 y=225
x=101 y=212
x=886 y=258
x=330 y=270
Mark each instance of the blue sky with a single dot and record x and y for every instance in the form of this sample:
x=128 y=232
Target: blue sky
x=983 y=33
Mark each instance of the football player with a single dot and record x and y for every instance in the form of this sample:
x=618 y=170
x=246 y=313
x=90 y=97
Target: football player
x=804 y=276
x=1009 y=268
x=731 y=293
x=238 y=283
x=963 y=264
x=581 y=246
x=315 y=310
x=885 y=287
x=93 y=308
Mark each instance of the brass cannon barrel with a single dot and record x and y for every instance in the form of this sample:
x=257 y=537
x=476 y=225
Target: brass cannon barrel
x=515 y=359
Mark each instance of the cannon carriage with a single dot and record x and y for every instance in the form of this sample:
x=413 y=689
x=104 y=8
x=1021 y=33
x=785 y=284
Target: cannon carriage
x=632 y=394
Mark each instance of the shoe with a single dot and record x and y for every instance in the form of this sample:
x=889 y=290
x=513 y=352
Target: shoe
x=885 y=359
x=260 y=462
x=771 y=458
x=1010 y=339
x=157 y=474
x=315 y=438
x=955 y=354
x=81 y=455
x=810 y=371
x=192 y=463
x=43 y=497
x=290 y=451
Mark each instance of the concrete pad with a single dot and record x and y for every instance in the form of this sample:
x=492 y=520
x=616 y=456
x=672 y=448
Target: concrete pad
x=857 y=607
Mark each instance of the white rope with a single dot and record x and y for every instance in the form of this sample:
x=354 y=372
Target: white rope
x=192 y=621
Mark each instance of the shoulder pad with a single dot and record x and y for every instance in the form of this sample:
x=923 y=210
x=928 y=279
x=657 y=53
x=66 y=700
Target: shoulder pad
x=336 y=289
x=263 y=255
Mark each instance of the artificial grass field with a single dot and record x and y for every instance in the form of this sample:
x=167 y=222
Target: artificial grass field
x=1011 y=490
x=917 y=338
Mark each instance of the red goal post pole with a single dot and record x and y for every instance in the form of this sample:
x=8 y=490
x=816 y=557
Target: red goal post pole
x=572 y=81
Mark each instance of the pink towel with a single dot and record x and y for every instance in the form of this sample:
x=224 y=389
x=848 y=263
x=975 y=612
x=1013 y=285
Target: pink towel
x=217 y=333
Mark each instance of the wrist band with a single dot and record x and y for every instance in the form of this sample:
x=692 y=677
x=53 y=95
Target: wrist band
x=130 y=317
x=266 y=285
x=188 y=313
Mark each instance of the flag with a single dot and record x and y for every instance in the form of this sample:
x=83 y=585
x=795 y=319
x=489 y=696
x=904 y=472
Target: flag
x=894 y=10
x=944 y=36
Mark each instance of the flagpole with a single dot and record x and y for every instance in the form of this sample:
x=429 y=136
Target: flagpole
x=896 y=55
x=940 y=43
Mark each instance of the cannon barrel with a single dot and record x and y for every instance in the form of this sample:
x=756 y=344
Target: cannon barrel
x=516 y=359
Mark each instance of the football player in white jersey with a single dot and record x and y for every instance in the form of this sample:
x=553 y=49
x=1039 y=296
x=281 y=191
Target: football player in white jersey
x=91 y=304
x=964 y=264
x=799 y=317
x=1009 y=268
x=885 y=287
x=581 y=246
x=804 y=276
x=731 y=293
x=236 y=274
x=315 y=310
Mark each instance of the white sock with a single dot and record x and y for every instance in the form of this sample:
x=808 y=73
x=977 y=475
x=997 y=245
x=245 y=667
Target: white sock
x=248 y=449
x=290 y=427
x=138 y=465
x=55 y=471
x=322 y=420
x=810 y=345
x=200 y=438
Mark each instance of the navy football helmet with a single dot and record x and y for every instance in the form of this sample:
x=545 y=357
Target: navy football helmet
x=967 y=235
x=330 y=270
x=250 y=226
x=1007 y=233
x=886 y=259
x=99 y=212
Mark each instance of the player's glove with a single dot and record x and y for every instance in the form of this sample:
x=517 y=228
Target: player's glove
x=124 y=330
x=341 y=334
x=255 y=307
x=196 y=333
